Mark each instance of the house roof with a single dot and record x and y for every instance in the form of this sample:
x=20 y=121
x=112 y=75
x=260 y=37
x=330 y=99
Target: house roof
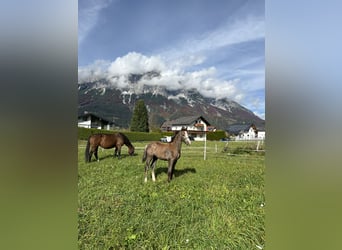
x=236 y=129
x=185 y=120
x=87 y=114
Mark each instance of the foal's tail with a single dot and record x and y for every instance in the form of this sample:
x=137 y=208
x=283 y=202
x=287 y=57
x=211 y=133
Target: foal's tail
x=145 y=154
x=87 y=154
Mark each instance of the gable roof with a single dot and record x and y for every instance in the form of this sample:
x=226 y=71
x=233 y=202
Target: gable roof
x=236 y=129
x=87 y=114
x=185 y=120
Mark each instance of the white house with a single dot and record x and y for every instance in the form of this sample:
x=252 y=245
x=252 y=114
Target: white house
x=245 y=132
x=89 y=120
x=197 y=126
x=261 y=134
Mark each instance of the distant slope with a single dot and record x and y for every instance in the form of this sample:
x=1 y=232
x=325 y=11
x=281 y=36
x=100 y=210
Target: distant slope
x=116 y=104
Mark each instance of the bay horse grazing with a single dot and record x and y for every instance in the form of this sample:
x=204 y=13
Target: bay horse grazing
x=170 y=152
x=107 y=141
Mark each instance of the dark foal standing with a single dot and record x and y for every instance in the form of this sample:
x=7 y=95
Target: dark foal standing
x=170 y=152
x=107 y=141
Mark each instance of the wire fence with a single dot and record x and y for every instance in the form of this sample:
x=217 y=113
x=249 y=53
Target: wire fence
x=212 y=149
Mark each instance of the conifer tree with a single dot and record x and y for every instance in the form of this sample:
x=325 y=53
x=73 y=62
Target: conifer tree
x=139 y=120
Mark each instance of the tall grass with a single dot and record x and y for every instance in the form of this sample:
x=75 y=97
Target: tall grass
x=217 y=203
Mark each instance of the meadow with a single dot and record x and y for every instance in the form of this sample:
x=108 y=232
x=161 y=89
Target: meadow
x=217 y=203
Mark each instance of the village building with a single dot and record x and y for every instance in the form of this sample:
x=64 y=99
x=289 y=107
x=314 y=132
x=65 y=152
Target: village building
x=197 y=126
x=90 y=120
x=245 y=132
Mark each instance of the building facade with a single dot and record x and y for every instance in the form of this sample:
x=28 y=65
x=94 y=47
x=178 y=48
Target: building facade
x=89 y=120
x=197 y=126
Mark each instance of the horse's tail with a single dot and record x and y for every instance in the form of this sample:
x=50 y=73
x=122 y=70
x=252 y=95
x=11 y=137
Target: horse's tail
x=145 y=154
x=87 y=154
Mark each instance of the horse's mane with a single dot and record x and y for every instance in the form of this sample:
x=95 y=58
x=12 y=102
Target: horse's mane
x=173 y=137
x=126 y=140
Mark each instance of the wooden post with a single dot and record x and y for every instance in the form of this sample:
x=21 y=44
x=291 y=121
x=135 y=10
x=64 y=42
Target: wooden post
x=257 y=149
x=205 y=146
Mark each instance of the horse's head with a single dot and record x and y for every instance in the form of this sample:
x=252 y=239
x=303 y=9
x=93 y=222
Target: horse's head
x=185 y=137
x=131 y=150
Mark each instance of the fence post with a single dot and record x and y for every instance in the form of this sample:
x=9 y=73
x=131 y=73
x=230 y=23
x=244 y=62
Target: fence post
x=205 y=147
x=257 y=149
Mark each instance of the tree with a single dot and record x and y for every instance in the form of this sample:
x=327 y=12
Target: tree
x=139 y=120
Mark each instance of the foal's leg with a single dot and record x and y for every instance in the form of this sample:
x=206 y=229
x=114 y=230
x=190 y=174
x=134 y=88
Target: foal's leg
x=173 y=168
x=147 y=164
x=170 y=170
x=154 y=161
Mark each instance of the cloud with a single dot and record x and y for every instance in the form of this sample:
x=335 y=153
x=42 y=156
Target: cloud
x=93 y=72
x=230 y=33
x=88 y=16
x=239 y=31
x=172 y=77
x=135 y=63
x=189 y=64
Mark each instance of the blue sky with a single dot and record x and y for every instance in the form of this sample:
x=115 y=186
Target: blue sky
x=215 y=46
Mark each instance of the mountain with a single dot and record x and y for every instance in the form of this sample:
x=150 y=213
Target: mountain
x=114 y=101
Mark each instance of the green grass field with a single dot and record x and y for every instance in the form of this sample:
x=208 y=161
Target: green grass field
x=217 y=203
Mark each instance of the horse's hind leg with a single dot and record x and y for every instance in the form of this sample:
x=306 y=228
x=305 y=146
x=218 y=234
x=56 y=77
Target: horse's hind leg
x=147 y=164
x=92 y=151
x=95 y=153
x=154 y=161
x=90 y=155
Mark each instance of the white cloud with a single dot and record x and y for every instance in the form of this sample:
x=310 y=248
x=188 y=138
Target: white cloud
x=230 y=33
x=255 y=103
x=180 y=66
x=240 y=31
x=93 y=72
x=222 y=62
x=135 y=63
x=88 y=16
x=172 y=77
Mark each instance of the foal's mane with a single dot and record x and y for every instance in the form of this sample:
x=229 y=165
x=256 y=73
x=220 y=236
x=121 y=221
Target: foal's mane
x=177 y=132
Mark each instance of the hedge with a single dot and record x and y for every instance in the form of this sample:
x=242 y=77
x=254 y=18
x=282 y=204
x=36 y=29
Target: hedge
x=84 y=133
x=216 y=136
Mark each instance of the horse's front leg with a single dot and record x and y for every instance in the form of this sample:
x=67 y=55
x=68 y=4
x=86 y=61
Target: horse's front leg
x=118 y=151
x=170 y=170
x=173 y=167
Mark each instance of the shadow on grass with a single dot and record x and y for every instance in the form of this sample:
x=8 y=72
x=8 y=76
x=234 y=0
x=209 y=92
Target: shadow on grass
x=123 y=156
x=176 y=171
